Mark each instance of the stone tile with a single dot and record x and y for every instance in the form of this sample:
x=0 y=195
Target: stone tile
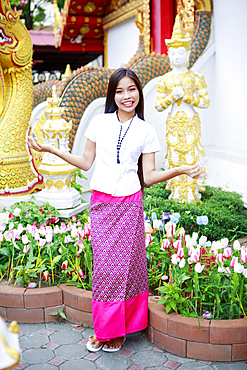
x=42 y=367
x=163 y=367
x=232 y=366
x=79 y=328
x=87 y=332
x=21 y=365
x=175 y=358
x=56 y=361
x=79 y=365
x=83 y=342
x=46 y=331
x=108 y=361
x=136 y=344
x=126 y=352
x=34 y=340
x=195 y=365
x=71 y=351
x=136 y=367
x=52 y=346
x=66 y=337
x=172 y=364
x=30 y=328
x=37 y=356
x=146 y=358
x=58 y=326
x=92 y=356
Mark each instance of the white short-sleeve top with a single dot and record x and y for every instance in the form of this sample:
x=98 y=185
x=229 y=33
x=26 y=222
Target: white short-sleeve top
x=109 y=176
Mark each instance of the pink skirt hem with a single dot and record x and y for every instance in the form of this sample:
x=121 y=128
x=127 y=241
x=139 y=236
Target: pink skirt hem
x=116 y=319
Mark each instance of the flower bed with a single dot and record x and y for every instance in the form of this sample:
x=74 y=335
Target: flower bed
x=218 y=340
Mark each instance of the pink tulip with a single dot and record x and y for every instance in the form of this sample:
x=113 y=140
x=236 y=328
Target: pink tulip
x=174 y=259
x=87 y=229
x=74 y=218
x=177 y=244
x=238 y=268
x=27 y=213
x=233 y=261
x=63 y=227
x=165 y=245
x=42 y=229
x=199 y=267
x=11 y=234
x=148 y=239
x=11 y=216
x=26 y=248
x=2 y=227
x=219 y=257
x=48 y=238
x=181 y=252
x=42 y=242
x=227 y=252
x=81 y=273
x=46 y=275
x=243 y=255
x=182 y=263
x=65 y=265
x=1 y=237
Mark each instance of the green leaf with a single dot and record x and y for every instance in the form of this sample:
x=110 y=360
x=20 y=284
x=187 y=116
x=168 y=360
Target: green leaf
x=53 y=313
x=62 y=314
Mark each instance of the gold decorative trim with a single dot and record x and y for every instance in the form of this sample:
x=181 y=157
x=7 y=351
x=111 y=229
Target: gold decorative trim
x=105 y=42
x=127 y=11
x=135 y=4
x=12 y=352
x=56 y=173
x=59 y=184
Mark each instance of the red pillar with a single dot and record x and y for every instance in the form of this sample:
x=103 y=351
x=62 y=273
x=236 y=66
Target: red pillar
x=162 y=20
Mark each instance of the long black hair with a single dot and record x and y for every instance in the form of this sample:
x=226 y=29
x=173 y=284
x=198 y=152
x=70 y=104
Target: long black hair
x=111 y=106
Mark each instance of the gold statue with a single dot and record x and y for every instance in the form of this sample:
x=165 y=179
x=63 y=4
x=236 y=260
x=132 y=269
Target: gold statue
x=9 y=345
x=18 y=175
x=182 y=90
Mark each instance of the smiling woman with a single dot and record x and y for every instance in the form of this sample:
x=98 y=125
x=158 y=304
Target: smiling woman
x=120 y=142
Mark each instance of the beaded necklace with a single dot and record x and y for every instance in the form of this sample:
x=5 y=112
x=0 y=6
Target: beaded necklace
x=120 y=140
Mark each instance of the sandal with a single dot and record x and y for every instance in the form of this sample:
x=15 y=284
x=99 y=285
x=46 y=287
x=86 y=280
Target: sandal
x=90 y=345
x=108 y=349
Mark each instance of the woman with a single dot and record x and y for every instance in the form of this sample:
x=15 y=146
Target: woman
x=122 y=143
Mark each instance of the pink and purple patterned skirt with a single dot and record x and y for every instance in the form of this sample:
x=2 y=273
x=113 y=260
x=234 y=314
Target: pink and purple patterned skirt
x=120 y=279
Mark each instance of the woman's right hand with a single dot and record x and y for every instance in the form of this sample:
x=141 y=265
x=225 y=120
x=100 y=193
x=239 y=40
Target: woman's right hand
x=35 y=145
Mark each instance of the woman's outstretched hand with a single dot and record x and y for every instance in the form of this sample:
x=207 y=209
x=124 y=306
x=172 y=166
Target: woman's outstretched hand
x=35 y=145
x=192 y=171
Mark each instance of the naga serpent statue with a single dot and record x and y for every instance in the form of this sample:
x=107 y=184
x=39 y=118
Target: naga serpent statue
x=18 y=175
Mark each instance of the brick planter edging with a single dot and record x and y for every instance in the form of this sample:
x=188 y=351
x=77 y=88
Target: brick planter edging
x=220 y=340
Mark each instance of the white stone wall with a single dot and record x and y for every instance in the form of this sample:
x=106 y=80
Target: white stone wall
x=123 y=40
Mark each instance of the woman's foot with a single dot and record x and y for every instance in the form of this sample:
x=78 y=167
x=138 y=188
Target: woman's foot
x=114 y=344
x=93 y=344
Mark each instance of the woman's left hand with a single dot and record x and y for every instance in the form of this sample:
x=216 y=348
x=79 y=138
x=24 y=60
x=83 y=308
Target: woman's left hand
x=192 y=171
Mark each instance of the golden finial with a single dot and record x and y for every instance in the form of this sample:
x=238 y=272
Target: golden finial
x=67 y=73
x=139 y=21
x=178 y=36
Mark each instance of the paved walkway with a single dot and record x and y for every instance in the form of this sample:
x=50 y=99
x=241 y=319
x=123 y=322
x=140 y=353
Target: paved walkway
x=61 y=346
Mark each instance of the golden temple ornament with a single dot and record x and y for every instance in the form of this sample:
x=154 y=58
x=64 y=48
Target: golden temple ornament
x=186 y=10
x=56 y=172
x=9 y=345
x=178 y=36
